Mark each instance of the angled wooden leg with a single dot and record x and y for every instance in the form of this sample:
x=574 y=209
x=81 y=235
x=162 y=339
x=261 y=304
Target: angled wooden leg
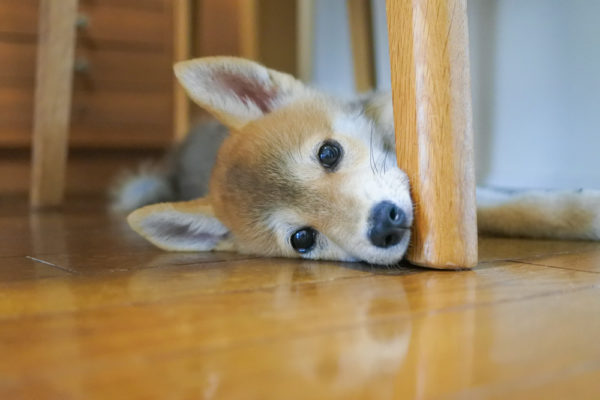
x=56 y=45
x=361 y=37
x=249 y=32
x=432 y=116
x=305 y=28
x=269 y=32
x=182 y=50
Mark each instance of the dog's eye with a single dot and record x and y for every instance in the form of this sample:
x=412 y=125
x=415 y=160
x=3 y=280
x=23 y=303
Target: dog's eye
x=303 y=240
x=330 y=154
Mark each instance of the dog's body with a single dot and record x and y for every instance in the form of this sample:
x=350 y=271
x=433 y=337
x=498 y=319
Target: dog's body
x=301 y=174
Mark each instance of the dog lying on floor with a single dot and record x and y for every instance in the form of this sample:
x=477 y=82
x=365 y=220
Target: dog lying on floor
x=301 y=174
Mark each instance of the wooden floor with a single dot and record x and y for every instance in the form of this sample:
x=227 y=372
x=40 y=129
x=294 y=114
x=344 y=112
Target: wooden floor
x=89 y=310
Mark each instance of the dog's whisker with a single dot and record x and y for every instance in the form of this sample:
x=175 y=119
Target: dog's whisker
x=385 y=161
x=374 y=168
x=371 y=150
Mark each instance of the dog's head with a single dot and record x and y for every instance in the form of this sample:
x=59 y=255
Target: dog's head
x=301 y=174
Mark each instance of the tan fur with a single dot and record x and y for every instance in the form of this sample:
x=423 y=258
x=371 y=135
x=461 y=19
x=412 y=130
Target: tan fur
x=255 y=170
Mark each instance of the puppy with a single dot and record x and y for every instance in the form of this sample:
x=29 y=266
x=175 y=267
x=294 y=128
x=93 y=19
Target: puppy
x=301 y=174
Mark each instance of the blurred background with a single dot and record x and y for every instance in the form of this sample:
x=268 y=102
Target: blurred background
x=535 y=79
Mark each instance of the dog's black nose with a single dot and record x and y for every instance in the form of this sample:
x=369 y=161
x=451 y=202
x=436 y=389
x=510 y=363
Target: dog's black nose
x=388 y=224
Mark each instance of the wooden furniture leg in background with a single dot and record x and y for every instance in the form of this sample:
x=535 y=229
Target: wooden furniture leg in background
x=182 y=50
x=305 y=17
x=249 y=46
x=269 y=32
x=361 y=37
x=54 y=79
x=432 y=115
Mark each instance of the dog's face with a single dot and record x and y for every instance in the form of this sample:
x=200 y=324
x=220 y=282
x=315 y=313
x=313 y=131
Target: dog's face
x=301 y=175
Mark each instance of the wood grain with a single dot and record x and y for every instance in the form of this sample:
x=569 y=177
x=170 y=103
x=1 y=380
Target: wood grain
x=104 y=117
x=121 y=23
x=18 y=269
x=96 y=312
x=106 y=66
x=588 y=261
x=361 y=38
x=90 y=171
x=54 y=78
x=123 y=98
x=530 y=250
x=432 y=115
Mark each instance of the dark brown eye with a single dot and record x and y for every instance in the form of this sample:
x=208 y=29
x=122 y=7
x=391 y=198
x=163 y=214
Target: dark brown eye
x=303 y=240
x=330 y=154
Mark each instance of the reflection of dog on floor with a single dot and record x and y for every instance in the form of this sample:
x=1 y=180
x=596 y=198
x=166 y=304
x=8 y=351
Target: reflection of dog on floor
x=301 y=174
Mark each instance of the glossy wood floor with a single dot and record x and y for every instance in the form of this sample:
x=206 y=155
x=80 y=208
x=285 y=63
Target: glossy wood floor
x=88 y=310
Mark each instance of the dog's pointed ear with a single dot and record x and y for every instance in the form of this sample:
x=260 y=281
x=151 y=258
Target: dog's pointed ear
x=181 y=226
x=236 y=91
x=378 y=106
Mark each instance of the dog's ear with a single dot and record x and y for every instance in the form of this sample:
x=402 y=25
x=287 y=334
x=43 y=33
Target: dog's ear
x=378 y=107
x=181 y=226
x=235 y=90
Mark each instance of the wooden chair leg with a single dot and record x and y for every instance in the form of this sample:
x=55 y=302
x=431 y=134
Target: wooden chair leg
x=249 y=47
x=361 y=37
x=432 y=115
x=269 y=33
x=305 y=20
x=182 y=50
x=52 y=107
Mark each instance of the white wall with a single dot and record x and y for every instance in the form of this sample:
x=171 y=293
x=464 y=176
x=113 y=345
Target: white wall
x=535 y=79
x=332 y=69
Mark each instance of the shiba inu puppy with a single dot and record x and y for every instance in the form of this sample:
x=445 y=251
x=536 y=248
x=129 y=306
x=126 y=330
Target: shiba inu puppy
x=298 y=173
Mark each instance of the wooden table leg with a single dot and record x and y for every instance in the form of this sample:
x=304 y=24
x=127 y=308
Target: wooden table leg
x=56 y=44
x=432 y=115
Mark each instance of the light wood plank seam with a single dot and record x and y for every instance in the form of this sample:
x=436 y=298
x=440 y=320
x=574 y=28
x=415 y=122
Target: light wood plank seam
x=557 y=267
x=47 y=263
